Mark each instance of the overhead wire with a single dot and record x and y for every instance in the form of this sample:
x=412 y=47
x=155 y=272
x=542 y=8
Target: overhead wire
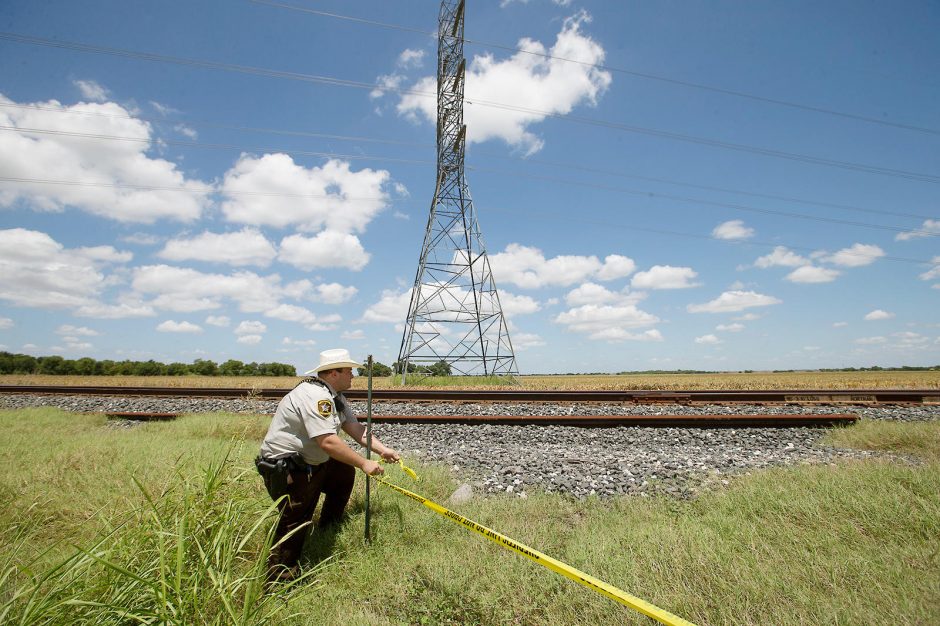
x=643 y=193
x=199 y=122
x=611 y=68
x=860 y=167
x=727 y=205
x=541 y=212
x=528 y=160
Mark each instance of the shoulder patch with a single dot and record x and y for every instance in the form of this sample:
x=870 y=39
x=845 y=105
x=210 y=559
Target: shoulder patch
x=325 y=408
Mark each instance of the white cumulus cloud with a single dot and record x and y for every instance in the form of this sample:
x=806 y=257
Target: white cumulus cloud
x=245 y=247
x=185 y=289
x=665 y=277
x=592 y=293
x=732 y=230
x=331 y=196
x=513 y=305
x=91 y=90
x=524 y=341
x=171 y=326
x=301 y=315
x=249 y=339
x=812 y=274
x=410 y=58
x=325 y=249
x=38 y=271
x=250 y=327
x=877 y=315
x=221 y=321
x=928 y=229
x=83 y=331
x=535 y=86
x=334 y=293
x=934 y=272
x=708 y=340
x=733 y=301
x=615 y=266
x=527 y=267
x=781 y=256
x=117 y=179
x=607 y=322
x=391 y=307
x=857 y=255
x=5 y=323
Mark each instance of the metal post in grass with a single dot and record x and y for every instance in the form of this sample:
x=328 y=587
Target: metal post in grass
x=368 y=438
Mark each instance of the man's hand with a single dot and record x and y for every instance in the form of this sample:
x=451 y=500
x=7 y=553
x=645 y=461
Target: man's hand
x=391 y=456
x=371 y=468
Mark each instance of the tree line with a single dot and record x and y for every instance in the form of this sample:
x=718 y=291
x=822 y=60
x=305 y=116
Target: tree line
x=441 y=368
x=57 y=365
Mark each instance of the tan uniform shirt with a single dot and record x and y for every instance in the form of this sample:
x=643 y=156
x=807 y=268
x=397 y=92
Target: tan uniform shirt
x=304 y=414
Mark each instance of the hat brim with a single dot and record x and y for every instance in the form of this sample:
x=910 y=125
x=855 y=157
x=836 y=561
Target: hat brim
x=333 y=366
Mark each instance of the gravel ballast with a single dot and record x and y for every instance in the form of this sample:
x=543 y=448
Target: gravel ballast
x=577 y=461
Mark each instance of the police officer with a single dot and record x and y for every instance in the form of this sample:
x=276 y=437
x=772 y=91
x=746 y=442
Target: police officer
x=303 y=455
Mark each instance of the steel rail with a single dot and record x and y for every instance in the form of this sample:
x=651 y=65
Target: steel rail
x=786 y=396
x=655 y=421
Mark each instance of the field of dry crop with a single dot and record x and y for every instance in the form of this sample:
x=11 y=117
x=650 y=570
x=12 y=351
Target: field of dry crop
x=729 y=380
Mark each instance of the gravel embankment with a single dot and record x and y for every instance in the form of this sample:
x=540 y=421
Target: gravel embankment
x=577 y=461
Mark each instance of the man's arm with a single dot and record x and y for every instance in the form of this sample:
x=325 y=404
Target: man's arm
x=358 y=432
x=339 y=450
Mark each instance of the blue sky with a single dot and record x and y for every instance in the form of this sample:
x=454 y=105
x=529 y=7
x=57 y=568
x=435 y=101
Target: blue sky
x=715 y=186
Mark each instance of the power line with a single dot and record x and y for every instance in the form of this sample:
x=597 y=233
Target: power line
x=566 y=217
x=493 y=155
x=550 y=214
x=196 y=144
x=714 y=143
x=204 y=192
x=679 y=183
x=214 y=146
x=208 y=123
x=619 y=70
x=860 y=167
x=726 y=205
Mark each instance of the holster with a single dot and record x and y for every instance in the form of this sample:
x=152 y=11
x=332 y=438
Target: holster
x=276 y=474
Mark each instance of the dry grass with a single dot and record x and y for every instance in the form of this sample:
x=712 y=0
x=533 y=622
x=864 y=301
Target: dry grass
x=728 y=380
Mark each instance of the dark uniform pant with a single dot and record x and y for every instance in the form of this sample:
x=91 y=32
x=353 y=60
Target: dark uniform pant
x=335 y=480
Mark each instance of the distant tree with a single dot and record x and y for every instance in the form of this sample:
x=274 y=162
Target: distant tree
x=412 y=368
x=25 y=364
x=148 y=368
x=203 y=367
x=51 y=365
x=378 y=370
x=441 y=368
x=6 y=363
x=231 y=367
x=177 y=369
x=85 y=366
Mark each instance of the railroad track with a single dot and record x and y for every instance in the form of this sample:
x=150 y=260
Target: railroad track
x=656 y=421
x=791 y=396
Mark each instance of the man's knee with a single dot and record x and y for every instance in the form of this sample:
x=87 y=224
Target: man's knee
x=341 y=476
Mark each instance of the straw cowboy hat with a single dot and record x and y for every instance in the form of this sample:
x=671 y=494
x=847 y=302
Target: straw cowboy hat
x=333 y=359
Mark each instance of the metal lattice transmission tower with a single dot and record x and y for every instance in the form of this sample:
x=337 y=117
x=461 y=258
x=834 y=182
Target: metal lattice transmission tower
x=455 y=315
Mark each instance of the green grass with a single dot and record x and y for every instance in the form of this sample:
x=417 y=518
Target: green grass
x=918 y=439
x=421 y=380
x=852 y=543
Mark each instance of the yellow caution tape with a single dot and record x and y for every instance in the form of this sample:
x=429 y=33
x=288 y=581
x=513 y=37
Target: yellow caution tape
x=402 y=465
x=544 y=560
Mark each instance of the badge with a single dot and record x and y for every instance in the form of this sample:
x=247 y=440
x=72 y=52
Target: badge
x=325 y=408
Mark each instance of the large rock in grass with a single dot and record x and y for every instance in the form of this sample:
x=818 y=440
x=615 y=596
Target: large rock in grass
x=463 y=493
